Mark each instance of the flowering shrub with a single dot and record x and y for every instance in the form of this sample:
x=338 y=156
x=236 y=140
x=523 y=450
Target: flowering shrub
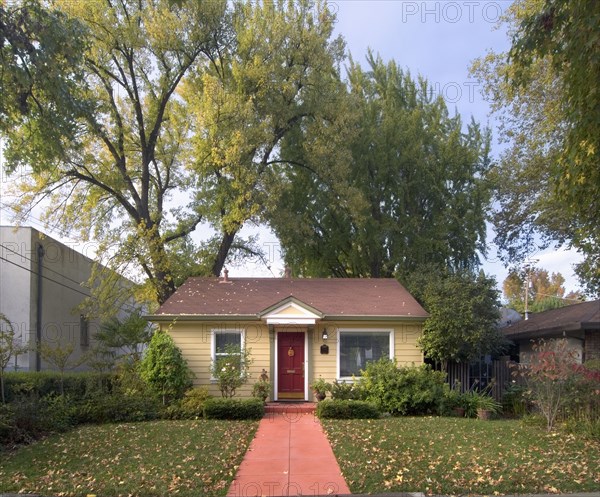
x=555 y=382
x=231 y=369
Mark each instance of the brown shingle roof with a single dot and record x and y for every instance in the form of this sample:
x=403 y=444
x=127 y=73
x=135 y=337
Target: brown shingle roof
x=334 y=297
x=570 y=318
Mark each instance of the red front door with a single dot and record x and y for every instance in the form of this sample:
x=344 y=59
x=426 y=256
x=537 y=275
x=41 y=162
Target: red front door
x=290 y=365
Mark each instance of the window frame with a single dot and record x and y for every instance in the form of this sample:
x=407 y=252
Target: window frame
x=361 y=331
x=213 y=343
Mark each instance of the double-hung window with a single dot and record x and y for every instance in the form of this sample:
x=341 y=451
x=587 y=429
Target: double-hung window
x=227 y=346
x=359 y=347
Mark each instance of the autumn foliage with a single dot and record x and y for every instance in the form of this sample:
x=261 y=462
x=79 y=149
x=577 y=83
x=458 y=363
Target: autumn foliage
x=555 y=381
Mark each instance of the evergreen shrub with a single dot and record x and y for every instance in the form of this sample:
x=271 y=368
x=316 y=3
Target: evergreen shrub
x=227 y=408
x=403 y=391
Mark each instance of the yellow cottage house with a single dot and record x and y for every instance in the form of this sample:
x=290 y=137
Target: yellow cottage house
x=297 y=329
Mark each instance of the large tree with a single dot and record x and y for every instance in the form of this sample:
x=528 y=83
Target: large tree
x=111 y=172
x=545 y=93
x=282 y=77
x=463 y=312
x=170 y=115
x=544 y=290
x=415 y=189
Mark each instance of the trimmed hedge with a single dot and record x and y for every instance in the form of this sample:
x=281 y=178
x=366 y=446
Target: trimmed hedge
x=45 y=383
x=347 y=409
x=234 y=409
x=118 y=407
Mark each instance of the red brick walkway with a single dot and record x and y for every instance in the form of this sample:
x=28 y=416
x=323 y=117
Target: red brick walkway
x=290 y=455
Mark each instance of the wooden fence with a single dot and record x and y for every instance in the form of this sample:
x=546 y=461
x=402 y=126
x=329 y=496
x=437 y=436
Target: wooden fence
x=493 y=374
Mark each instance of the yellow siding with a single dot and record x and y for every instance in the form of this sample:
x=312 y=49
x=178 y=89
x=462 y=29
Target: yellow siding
x=194 y=339
x=289 y=311
x=406 y=350
x=324 y=365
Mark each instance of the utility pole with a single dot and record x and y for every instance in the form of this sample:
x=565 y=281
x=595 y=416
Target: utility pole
x=526 y=292
x=528 y=267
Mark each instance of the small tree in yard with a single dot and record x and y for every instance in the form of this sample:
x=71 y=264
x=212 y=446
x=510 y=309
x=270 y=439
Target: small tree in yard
x=463 y=311
x=59 y=357
x=129 y=335
x=10 y=346
x=164 y=369
x=231 y=368
x=551 y=377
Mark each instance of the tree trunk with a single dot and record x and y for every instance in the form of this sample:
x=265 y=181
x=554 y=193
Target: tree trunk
x=163 y=282
x=165 y=286
x=223 y=252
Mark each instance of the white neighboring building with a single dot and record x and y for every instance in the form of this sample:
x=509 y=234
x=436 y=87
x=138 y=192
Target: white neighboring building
x=41 y=287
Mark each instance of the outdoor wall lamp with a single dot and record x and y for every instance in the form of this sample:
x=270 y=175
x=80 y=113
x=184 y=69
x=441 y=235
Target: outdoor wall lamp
x=325 y=335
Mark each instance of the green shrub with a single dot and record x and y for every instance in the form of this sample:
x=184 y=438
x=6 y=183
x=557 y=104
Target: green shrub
x=470 y=402
x=191 y=406
x=514 y=402
x=453 y=399
x=28 y=418
x=60 y=413
x=347 y=409
x=118 y=407
x=234 y=409
x=193 y=401
x=45 y=383
x=404 y=391
x=345 y=391
x=164 y=368
x=261 y=390
x=536 y=420
x=7 y=425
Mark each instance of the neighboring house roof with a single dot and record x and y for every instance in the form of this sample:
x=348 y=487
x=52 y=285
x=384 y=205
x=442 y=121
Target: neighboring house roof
x=328 y=297
x=508 y=317
x=572 y=318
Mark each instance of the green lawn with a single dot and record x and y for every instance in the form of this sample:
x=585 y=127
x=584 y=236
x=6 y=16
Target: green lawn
x=192 y=458
x=461 y=456
x=186 y=458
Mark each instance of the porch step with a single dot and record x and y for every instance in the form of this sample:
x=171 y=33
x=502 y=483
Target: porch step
x=290 y=407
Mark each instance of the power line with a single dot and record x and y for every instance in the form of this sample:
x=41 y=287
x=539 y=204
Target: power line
x=45 y=277
x=126 y=304
x=557 y=297
x=44 y=266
